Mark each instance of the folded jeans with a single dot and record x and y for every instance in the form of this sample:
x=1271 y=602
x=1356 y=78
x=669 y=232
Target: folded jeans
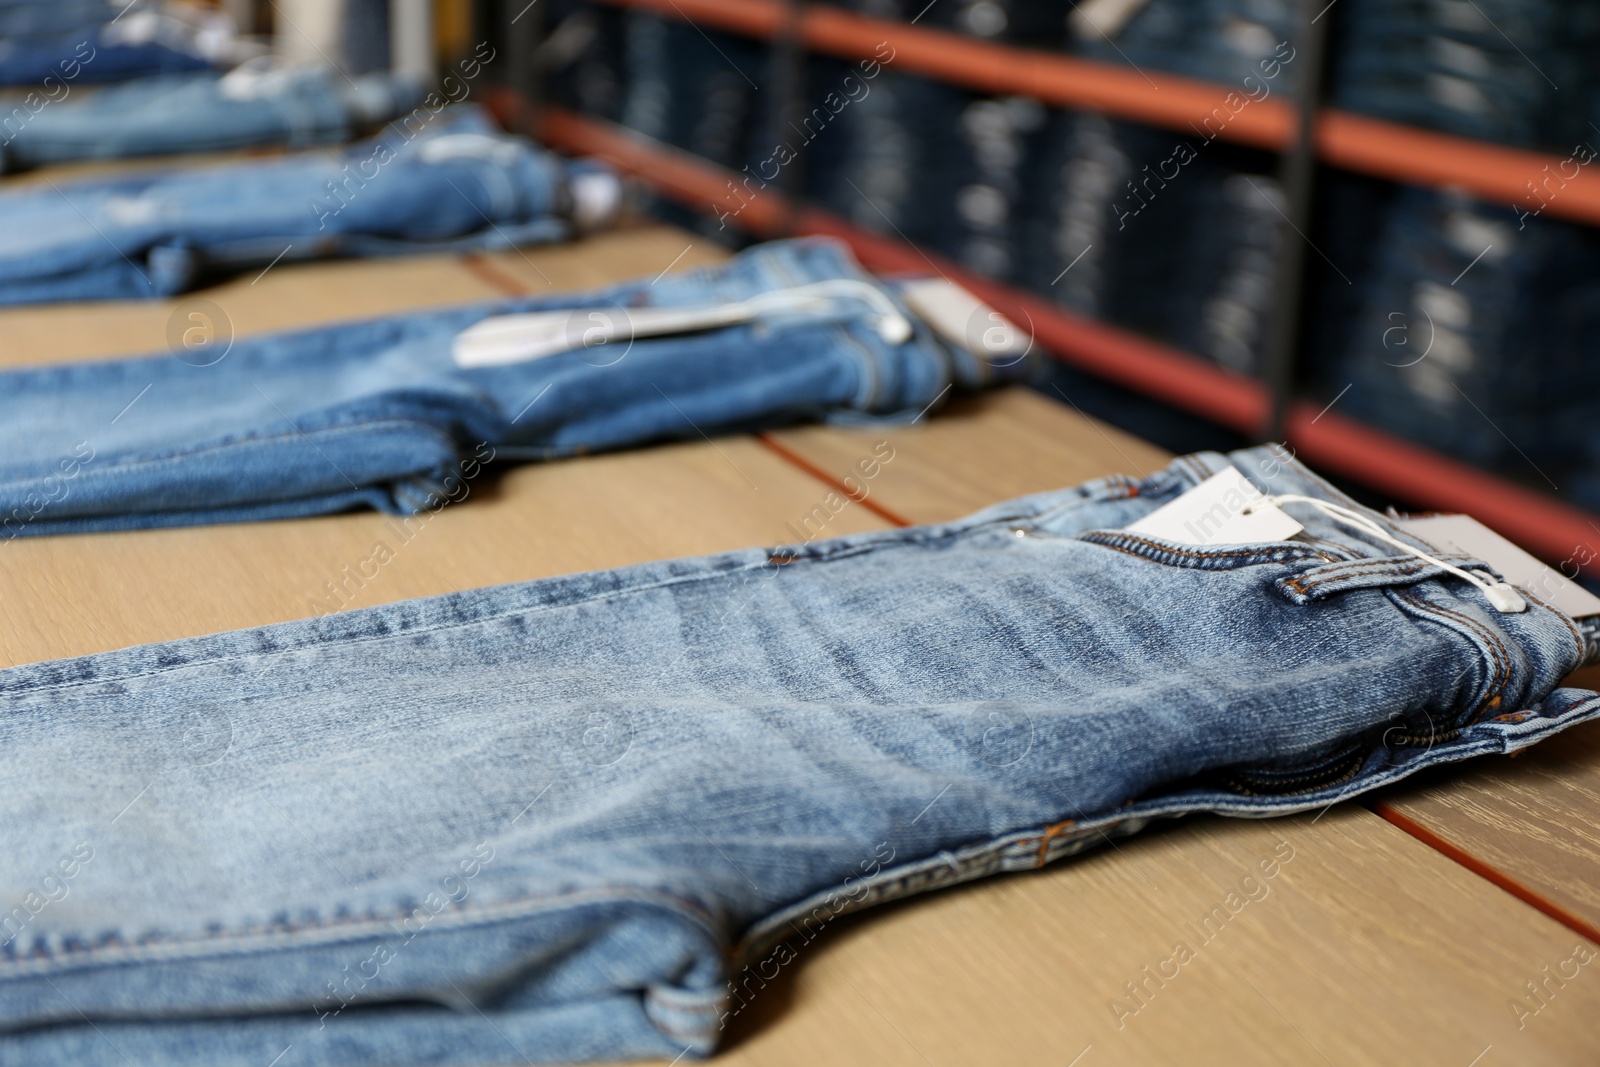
x=553 y=821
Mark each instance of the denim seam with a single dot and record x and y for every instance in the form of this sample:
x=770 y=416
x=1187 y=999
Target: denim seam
x=335 y=931
x=1566 y=621
x=1502 y=655
x=965 y=864
x=1396 y=568
x=1122 y=541
x=846 y=551
x=268 y=439
x=1491 y=647
x=1341 y=497
x=1112 y=487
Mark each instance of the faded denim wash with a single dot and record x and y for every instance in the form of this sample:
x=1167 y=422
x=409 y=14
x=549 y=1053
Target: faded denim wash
x=204 y=112
x=378 y=414
x=554 y=821
x=452 y=184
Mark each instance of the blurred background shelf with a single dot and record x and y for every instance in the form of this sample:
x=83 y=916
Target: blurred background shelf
x=1357 y=143
x=1423 y=478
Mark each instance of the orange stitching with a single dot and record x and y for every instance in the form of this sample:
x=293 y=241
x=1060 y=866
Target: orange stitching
x=1050 y=833
x=1336 y=571
x=1573 y=630
x=1502 y=667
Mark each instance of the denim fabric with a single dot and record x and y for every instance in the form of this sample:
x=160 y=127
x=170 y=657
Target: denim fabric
x=1070 y=241
x=118 y=46
x=1173 y=236
x=700 y=90
x=377 y=413
x=1224 y=41
x=203 y=112
x=1512 y=71
x=585 y=53
x=1458 y=341
x=1223 y=304
x=885 y=161
x=566 y=819
x=985 y=164
x=44 y=18
x=452 y=182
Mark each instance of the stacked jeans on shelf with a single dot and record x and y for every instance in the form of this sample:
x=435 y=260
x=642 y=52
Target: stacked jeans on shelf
x=1461 y=342
x=1169 y=235
x=1511 y=71
x=585 y=54
x=884 y=162
x=436 y=182
x=1036 y=23
x=256 y=104
x=989 y=159
x=63 y=41
x=695 y=90
x=1070 y=240
x=1227 y=41
x=1223 y=307
x=569 y=819
x=383 y=413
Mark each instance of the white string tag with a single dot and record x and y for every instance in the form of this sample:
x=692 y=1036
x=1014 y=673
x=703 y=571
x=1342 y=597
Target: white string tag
x=517 y=338
x=1503 y=597
x=1467 y=536
x=1218 y=511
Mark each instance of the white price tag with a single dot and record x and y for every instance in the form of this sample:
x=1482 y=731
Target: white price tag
x=961 y=319
x=1213 y=513
x=1466 y=536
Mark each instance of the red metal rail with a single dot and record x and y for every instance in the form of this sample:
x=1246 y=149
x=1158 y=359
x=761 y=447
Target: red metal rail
x=1408 y=472
x=1556 y=185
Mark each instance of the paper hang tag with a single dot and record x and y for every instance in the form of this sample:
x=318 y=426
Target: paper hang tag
x=1466 y=536
x=961 y=319
x=517 y=338
x=1213 y=513
x=505 y=339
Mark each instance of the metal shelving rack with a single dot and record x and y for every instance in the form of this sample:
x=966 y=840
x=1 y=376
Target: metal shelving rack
x=1304 y=135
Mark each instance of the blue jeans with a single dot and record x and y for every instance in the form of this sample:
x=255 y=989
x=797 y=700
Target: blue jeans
x=379 y=414
x=1488 y=70
x=450 y=183
x=44 y=18
x=569 y=819
x=1464 y=339
x=1223 y=41
x=198 y=113
x=72 y=44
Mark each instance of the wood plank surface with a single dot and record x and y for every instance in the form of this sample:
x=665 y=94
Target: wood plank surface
x=1364 y=947
x=1534 y=819
x=976 y=451
x=69 y=596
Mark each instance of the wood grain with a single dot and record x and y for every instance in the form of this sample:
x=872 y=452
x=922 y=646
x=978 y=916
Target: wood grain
x=68 y=596
x=1363 y=948
x=975 y=452
x=1534 y=818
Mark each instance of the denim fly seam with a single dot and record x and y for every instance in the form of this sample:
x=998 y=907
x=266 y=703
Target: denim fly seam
x=983 y=695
